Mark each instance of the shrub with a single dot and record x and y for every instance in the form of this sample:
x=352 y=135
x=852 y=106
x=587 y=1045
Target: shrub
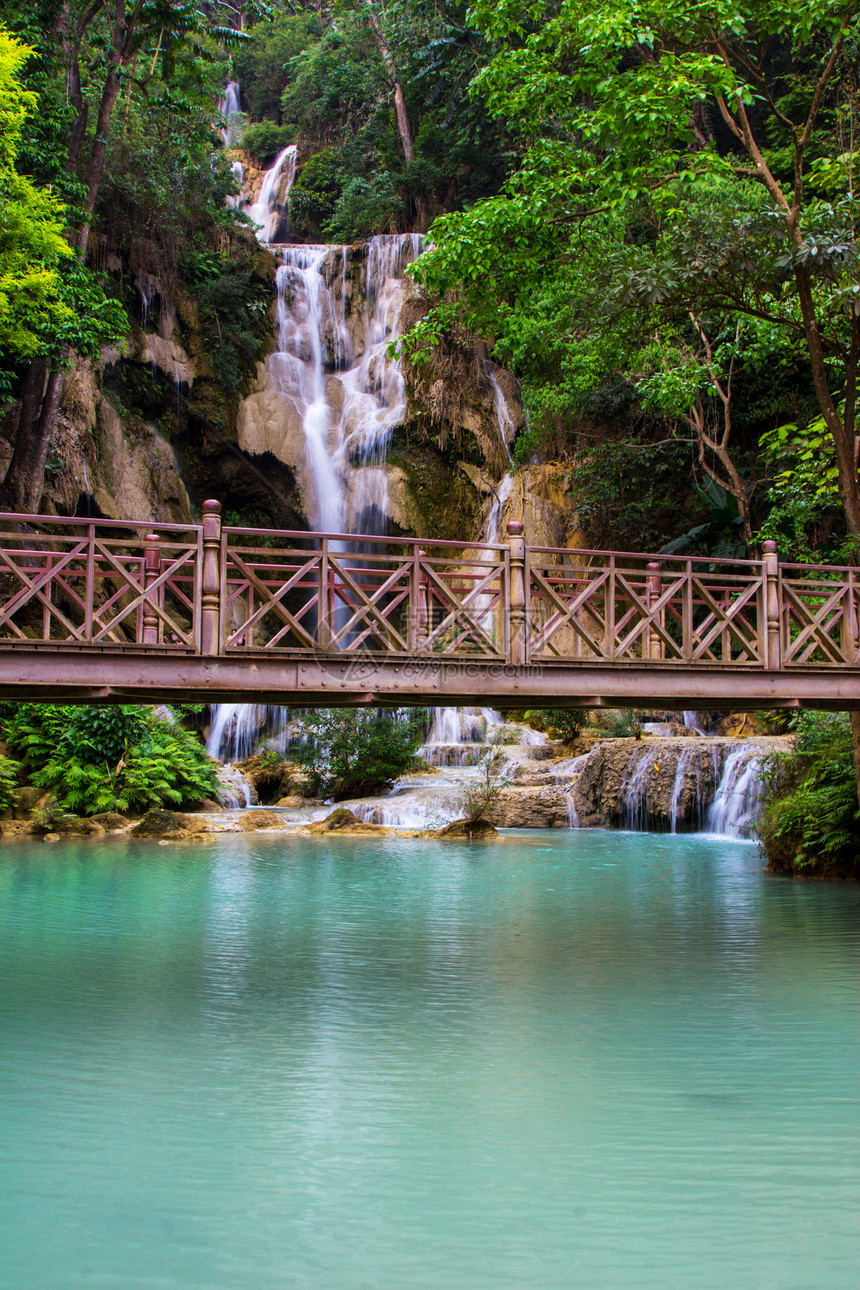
x=809 y=823
x=264 y=140
x=479 y=797
x=121 y=758
x=622 y=723
x=350 y=753
x=558 y=723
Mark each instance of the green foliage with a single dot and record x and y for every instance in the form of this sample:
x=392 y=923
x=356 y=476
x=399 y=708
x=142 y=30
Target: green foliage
x=351 y=753
x=9 y=771
x=32 y=246
x=233 y=305
x=558 y=723
x=262 y=62
x=480 y=795
x=315 y=194
x=637 y=240
x=621 y=723
x=811 y=815
x=121 y=758
x=264 y=140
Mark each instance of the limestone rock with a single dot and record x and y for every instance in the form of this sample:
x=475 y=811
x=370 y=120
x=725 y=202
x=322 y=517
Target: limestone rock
x=136 y=473
x=157 y=823
x=255 y=820
x=111 y=821
x=344 y=821
x=530 y=808
x=468 y=829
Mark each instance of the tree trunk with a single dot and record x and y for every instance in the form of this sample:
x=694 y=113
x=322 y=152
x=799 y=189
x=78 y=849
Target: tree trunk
x=14 y=485
x=404 y=128
x=97 y=157
x=25 y=480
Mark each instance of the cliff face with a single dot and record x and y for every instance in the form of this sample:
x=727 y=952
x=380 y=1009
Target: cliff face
x=147 y=431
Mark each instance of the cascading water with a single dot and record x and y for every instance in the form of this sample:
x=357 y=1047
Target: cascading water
x=737 y=800
x=269 y=209
x=333 y=371
x=229 y=107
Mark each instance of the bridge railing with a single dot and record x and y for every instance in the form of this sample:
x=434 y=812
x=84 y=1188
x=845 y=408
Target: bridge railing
x=321 y=592
x=621 y=607
x=212 y=590
x=103 y=583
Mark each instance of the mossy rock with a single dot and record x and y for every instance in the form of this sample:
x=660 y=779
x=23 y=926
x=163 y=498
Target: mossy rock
x=157 y=823
x=112 y=821
x=468 y=829
x=343 y=820
x=254 y=820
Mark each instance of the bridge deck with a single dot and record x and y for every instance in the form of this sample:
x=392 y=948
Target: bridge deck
x=120 y=610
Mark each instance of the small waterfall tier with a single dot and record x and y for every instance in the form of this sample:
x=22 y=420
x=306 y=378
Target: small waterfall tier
x=703 y=785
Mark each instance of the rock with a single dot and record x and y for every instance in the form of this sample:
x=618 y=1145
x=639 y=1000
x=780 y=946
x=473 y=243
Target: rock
x=208 y=805
x=269 y=779
x=344 y=821
x=543 y=807
x=468 y=829
x=157 y=823
x=255 y=820
x=136 y=472
x=111 y=821
x=29 y=799
x=50 y=837
x=236 y=788
x=16 y=828
x=192 y=824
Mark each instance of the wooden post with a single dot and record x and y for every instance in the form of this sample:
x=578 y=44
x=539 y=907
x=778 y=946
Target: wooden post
x=770 y=561
x=656 y=648
x=151 y=570
x=518 y=636
x=210 y=618
x=419 y=628
x=849 y=619
x=325 y=605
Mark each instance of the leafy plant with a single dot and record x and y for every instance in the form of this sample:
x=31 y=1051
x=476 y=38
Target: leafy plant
x=622 y=723
x=121 y=758
x=811 y=814
x=9 y=770
x=351 y=753
x=264 y=140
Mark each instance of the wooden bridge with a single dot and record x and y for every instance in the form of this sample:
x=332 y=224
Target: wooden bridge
x=122 y=611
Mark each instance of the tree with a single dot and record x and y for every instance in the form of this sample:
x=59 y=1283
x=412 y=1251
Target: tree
x=94 y=45
x=631 y=105
x=349 y=753
x=630 y=109
x=32 y=246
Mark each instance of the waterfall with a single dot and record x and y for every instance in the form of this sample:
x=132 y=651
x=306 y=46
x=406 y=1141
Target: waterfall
x=690 y=763
x=500 y=407
x=228 y=107
x=457 y=735
x=692 y=722
x=634 y=790
x=238 y=171
x=333 y=370
x=734 y=809
x=269 y=208
x=237 y=729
